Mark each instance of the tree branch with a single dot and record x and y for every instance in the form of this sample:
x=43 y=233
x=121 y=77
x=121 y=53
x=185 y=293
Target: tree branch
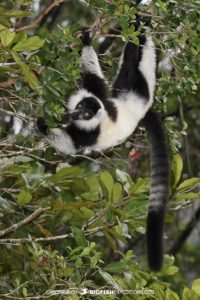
x=23 y=222
x=185 y=234
x=36 y=22
x=53 y=238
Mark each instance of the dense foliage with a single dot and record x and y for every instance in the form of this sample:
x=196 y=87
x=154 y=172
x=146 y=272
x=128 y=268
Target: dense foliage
x=79 y=222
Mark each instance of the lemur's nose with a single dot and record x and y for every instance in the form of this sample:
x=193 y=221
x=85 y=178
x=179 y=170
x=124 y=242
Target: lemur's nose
x=75 y=115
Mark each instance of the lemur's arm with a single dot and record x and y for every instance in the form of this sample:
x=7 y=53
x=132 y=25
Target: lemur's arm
x=93 y=78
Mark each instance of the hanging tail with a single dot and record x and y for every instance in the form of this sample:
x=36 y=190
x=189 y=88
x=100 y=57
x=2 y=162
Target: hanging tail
x=160 y=176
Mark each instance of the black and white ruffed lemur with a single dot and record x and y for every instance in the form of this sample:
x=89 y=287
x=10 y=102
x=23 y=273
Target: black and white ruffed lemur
x=99 y=121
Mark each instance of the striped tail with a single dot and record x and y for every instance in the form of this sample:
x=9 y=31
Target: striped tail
x=160 y=176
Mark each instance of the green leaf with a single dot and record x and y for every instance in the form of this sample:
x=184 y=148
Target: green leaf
x=65 y=175
x=169 y=260
x=109 y=279
x=140 y=186
x=117 y=191
x=30 y=77
x=187 y=196
x=31 y=44
x=85 y=252
x=107 y=183
x=79 y=237
x=177 y=167
x=188 y=183
x=159 y=290
x=78 y=262
x=4 y=21
x=25 y=292
x=170 y=295
x=196 y=286
x=111 y=241
x=17 y=13
x=135 y=40
x=24 y=2
x=7 y=37
x=72 y=205
x=117 y=235
x=79 y=186
x=116 y=267
x=169 y=271
x=189 y=294
x=123 y=284
x=20 y=36
x=14 y=170
x=24 y=197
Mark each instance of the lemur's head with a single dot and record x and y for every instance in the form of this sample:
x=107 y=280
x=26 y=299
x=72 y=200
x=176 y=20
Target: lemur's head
x=86 y=110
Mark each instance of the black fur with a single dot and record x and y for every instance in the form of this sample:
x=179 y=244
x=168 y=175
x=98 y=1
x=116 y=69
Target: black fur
x=90 y=103
x=85 y=37
x=80 y=137
x=160 y=177
x=42 y=126
x=86 y=109
x=96 y=85
x=130 y=77
x=111 y=110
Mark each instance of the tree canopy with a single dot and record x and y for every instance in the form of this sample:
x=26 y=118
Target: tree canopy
x=72 y=225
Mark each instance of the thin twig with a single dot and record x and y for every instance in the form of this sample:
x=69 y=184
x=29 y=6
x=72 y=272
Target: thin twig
x=52 y=238
x=13 y=114
x=142 y=14
x=9 y=190
x=40 y=17
x=96 y=217
x=23 y=222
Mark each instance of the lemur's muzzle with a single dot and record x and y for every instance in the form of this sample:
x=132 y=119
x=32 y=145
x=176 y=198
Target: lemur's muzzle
x=76 y=115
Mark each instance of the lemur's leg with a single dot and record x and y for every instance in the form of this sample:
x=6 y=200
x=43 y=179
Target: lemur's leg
x=137 y=69
x=93 y=78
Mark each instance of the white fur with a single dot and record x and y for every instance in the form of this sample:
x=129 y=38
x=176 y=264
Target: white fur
x=131 y=109
x=90 y=62
x=147 y=65
x=61 y=141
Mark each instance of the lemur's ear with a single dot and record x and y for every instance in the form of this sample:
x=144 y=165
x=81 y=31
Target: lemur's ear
x=85 y=36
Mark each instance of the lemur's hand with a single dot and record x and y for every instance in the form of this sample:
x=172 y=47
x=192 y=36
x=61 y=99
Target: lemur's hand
x=85 y=37
x=42 y=126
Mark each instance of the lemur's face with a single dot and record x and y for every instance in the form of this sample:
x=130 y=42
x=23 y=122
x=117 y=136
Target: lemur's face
x=86 y=109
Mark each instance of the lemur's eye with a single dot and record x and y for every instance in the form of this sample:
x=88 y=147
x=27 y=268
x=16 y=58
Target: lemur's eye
x=79 y=105
x=87 y=114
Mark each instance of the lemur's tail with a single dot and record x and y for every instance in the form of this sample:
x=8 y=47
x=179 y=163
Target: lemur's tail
x=160 y=176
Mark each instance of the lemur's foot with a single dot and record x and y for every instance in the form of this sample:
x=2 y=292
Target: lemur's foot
x=42 y=126
x=85 y=37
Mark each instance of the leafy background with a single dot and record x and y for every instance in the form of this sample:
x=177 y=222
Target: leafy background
x=80 y=221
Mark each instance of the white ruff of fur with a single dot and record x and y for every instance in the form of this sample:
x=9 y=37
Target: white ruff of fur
x=61 y=141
